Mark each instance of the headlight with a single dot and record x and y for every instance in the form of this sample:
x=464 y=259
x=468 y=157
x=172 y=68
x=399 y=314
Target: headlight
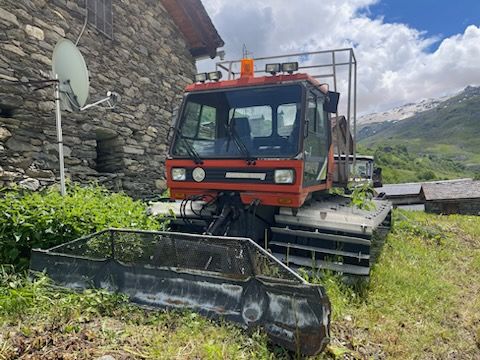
x=179 y=174
x=284 y=176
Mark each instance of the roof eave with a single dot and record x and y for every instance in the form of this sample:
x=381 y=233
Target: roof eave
x=196 y=26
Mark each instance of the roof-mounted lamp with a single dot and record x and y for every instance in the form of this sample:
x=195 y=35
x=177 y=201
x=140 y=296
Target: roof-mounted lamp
x=214 y=75
x=290 y=67
x=273 y=68
x=201 y=77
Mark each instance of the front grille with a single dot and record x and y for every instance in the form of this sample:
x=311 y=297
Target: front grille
x=220 y=175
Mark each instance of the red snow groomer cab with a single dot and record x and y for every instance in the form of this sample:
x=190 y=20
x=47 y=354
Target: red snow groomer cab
x=255 y=156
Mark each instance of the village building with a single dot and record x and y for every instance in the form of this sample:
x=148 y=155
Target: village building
x=401 y=195
x=454 y=197
x=145 y=50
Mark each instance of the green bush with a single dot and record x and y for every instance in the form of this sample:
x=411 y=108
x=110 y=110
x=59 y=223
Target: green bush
x=44 y=219
x=362 y=197
x=426 y=175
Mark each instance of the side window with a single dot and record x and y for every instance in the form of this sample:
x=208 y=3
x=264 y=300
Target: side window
x=316 y=143
x=286 y=115
x=311 y=109
x=320 y=126
x=311 y=140
x=259 y=119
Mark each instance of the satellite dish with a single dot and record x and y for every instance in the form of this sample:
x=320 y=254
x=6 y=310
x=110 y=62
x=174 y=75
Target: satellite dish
x=68 y=64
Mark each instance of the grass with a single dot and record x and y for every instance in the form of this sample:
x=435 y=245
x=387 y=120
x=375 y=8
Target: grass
x=421 y=303
x=36 y=321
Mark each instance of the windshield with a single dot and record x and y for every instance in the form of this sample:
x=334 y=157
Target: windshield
x=363 y=169
x=261 y=122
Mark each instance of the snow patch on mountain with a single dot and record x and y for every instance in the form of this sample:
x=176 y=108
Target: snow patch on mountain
x=402 y=112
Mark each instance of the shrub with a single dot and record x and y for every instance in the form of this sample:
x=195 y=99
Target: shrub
x=427 y=175
x=44 y=219
x=362 y=197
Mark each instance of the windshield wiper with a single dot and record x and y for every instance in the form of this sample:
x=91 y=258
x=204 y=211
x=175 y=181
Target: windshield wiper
x=189 y=148
x=232 y=134
x=240 y=145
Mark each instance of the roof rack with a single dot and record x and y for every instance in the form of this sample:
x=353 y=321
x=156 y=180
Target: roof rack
x=337 y=67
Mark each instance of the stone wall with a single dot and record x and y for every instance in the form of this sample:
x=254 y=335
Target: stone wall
x=147 y=62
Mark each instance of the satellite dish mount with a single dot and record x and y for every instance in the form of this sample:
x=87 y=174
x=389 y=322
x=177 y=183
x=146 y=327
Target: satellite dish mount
x=71 y=91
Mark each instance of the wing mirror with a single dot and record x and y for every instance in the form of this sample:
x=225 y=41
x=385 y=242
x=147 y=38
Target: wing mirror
x=331 y=102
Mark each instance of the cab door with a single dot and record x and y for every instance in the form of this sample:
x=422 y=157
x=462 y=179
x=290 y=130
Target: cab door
x=316 y=142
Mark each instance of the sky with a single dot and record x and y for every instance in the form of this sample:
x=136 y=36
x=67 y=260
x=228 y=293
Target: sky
x=406 y=50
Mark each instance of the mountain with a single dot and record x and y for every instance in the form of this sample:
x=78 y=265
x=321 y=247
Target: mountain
x=401 y=112
x=450 y=130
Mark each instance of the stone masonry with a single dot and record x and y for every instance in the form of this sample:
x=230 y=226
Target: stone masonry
x=147 y=62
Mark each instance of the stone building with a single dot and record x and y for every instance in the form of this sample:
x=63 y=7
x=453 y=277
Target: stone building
x=143 y=49
x=454 y=197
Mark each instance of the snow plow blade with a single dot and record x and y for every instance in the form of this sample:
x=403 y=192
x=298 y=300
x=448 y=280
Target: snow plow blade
x=219 y=277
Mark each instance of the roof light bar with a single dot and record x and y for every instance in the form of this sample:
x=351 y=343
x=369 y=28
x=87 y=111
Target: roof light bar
x=214 y=75
x=202 y=77
x=273 y=68
x=290 y=67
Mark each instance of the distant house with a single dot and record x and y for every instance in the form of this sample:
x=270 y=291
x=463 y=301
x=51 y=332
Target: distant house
x=143 y=49
x=459 y=197
x=402 y=194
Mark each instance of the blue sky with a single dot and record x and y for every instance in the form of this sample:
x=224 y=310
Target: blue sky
x=439 y=18
x=406 y=50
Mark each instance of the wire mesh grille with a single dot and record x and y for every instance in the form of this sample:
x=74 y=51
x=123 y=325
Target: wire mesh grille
x=227 y=256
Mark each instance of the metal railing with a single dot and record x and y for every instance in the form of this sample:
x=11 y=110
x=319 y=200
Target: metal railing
x=333 y=67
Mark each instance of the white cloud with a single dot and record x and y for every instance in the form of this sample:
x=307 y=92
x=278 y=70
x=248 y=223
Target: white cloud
x=394 y=64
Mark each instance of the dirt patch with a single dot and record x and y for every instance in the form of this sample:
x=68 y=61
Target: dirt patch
x=52 y=342
x=351 y=342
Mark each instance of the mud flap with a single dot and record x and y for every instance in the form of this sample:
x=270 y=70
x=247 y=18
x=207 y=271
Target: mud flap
x=219 y=277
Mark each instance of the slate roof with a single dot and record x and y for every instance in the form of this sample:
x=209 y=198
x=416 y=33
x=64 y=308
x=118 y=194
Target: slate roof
x=451 y=190
x=400 y=189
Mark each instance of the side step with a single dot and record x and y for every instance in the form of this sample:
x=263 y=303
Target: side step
x=219 y=277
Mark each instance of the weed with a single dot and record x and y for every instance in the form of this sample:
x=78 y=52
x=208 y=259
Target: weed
x=421 y=302
x=44 y=219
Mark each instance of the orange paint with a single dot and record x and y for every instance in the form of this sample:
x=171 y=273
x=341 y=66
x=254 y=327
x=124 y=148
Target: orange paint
x=268 y=194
